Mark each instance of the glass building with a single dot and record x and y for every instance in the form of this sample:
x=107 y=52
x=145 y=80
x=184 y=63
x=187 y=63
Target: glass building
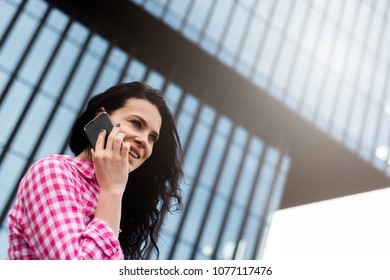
x=278 y=103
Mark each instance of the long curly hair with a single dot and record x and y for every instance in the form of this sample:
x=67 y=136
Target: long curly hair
x=152 y=189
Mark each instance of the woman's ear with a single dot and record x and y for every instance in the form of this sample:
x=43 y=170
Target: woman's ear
x=101 y=110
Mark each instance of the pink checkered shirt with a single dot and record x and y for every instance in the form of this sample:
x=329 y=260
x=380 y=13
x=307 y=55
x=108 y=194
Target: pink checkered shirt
x=53 y=217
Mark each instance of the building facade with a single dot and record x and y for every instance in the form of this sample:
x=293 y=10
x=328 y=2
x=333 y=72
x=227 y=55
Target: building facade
x=278 y=103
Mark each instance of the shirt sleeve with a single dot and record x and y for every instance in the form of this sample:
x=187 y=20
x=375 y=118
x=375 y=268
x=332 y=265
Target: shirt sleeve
x=54 y=222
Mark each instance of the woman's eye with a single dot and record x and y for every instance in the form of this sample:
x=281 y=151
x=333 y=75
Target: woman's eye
x=153 y=138
x=137 y=123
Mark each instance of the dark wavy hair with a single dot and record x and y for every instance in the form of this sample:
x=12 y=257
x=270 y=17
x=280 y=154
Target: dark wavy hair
x=153 y=188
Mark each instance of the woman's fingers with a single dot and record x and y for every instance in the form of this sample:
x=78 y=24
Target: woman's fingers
x=100 y=141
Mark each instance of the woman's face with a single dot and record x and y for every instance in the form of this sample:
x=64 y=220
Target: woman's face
x=141 y=121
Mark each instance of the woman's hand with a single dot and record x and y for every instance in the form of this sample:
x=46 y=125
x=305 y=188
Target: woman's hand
x=111 y=163
x=111 y=170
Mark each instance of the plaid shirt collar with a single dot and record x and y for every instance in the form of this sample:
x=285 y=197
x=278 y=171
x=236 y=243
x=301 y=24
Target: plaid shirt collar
x=84 y=167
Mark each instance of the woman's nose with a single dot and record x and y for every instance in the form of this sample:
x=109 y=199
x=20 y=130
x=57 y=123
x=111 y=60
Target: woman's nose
x=141 y=141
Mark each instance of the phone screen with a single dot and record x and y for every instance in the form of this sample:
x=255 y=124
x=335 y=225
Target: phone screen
x=94 y=127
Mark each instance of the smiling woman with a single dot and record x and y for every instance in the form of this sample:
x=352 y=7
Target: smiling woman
x=108 y=202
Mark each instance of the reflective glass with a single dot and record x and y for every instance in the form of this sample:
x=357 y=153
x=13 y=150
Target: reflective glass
x=236 y=29
x=19 y=36
x=60 y=69
x=194 y=217
x=32 y=124
x=6 y=13
x=229 y=237
x=57 y=132
x=219 y=19
x=11 y=108
x=263 y=187
x=197 y=148
x=9 y=174
x=37 y=60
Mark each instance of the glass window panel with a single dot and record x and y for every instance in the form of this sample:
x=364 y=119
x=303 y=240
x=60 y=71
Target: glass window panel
x=136 y=71
x=58 y=19
x=349 y=15
x=299 y=74
x=371 y=123
x=190 y=104
x=154 y=8
x=228 y=241
x=356 y=118
x=312 y=31
x=313 y=88
x=334 y=9
x=213 y=160
x=282 y=10
x=362 y=23
x=3 y=243
x=32 y=124
x=247 y=3
x=78 y=33
x=12 y=108
x=326 y=42
x=196 y=148
x=3 y=79
x=179 y=7
x=81 y=81
x=328 y=97
x=240 y=136
x=272 y=156
x=182 y=252
x=184 y=124
x=118 y=57
x=155 y=80
x=385 y=54
x=252 y=41
x=236 y=29
x=6 y=14
x=9 y=174
x=249 y=238
x=60 y=69
x=355 y=55
x=245 y=182
x=296 y=23
x=19 y=36
x=109 y=77
x=342 y=107
x=375 y=34
x=284 y=64
x=267 y=58
x=279 y=187
x=230 y=170
x=256 y=146
x=37 y=59
x=340 y=53
x=379 y=84
x=198 y=14
x=224 y=125
x=219 y=19
x=57 y=132
x=207 y=115
x=367 y=71
x=195 y=215
x=36 y=7
x=263 y=187
x=264 y=8
x=172 y=96
x=98 y=45
x=212 y=227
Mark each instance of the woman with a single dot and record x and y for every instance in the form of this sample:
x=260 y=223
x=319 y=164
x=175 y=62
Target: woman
x=106 y=203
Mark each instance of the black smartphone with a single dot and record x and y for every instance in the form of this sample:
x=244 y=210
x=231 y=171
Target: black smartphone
x=94 y=127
